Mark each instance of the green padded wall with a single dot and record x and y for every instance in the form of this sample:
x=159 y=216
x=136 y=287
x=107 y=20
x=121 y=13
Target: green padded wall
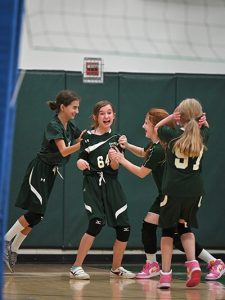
x=132 y=95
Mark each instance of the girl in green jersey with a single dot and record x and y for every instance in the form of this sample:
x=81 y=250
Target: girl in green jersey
x=61 y=139
x=182 y=185
x=154 y=154
x=104 y=199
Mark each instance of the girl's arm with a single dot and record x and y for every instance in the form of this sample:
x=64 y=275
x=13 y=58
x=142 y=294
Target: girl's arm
x=136 y=170
x=138 y=151
x=171 y=118
x=82 y=164
x=67 y=150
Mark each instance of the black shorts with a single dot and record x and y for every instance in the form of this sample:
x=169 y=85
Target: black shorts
x=36 y=187
x=106 y=201
x=172 y=209
x=155 y=208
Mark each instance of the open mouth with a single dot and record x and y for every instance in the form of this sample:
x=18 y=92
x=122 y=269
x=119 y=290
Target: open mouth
x=107 y=122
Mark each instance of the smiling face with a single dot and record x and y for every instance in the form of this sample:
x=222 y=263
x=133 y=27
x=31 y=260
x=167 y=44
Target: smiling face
x=149 y=128
x=70 y=111
x=104 y=118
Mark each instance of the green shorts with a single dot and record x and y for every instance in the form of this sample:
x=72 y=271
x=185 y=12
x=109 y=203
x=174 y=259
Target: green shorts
x=155 y=208
x=172 y=209
x=105 y=200
x=36 y=187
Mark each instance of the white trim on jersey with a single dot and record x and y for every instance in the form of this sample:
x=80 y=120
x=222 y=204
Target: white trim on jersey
x=120 y=211
x=94 y=147
x=33 y=189
x=88 y=207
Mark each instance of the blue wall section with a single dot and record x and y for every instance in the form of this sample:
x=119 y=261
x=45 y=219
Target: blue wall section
x=10 y=25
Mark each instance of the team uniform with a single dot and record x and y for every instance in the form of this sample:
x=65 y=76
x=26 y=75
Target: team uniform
x=42 y=170
x=102 y=193
x=155 y=161
x=182 y=184
x=104 y=199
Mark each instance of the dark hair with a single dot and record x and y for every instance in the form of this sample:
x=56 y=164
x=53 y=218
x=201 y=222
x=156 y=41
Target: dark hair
x=154 y=115
x=96 y=110
x=64 y=97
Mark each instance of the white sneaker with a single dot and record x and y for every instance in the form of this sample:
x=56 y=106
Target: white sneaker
x=78 y=273
x=122 y=273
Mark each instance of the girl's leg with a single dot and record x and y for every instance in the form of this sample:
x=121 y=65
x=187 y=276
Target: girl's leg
x=118 y=252
x=20 y=229
x=149 y=237
x=149 y=240
x=19 y=226
x=193 y=268
x=167 y=251
x=117 y=270
x=188 y=243
x=85 y=245
x=76 y=271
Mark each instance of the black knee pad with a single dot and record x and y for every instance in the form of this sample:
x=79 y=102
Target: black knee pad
x=198 y=249
x=95 y=226
x=177 y=242
x=182 y=229
x=122 y=233
x=149 y=238
x=168 y=232
x=33 y=218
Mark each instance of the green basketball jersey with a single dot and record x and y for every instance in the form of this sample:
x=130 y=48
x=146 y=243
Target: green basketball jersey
x=156 y=161
x=49 y=152
x=182 y=175
x=94 y=149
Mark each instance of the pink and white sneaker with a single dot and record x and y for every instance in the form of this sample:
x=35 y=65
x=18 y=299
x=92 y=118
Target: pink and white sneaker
x=193 y=273
x=150 y=269
x=216 y=269
x=165 y=280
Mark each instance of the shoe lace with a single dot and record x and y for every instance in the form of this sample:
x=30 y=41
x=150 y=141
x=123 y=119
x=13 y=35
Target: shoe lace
x=122 y=270
x=146 y=267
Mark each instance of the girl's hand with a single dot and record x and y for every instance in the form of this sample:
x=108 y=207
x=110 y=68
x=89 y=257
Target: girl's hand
x=202 y=120
x=83 y=164
x=80 y=138
x=115 y=155
x=111 y=153
x=123 y=141
x=176 y=116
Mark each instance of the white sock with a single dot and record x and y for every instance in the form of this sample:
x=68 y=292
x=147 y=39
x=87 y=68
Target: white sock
x=150 y=257
x=17 y=241
x=16 y=228
x=206 y=256
x=166 y=273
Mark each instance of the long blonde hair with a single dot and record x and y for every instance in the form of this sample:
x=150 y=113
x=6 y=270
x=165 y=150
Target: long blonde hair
x=190 y=143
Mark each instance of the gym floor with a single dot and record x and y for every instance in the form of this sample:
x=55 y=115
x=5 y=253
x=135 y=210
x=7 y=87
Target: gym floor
x=52 y=282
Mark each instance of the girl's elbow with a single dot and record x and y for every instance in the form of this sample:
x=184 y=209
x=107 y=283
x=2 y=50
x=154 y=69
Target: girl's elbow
x=141 y=176
x=64 y=153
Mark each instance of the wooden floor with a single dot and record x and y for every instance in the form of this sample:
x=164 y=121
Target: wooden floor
x=51 y=282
